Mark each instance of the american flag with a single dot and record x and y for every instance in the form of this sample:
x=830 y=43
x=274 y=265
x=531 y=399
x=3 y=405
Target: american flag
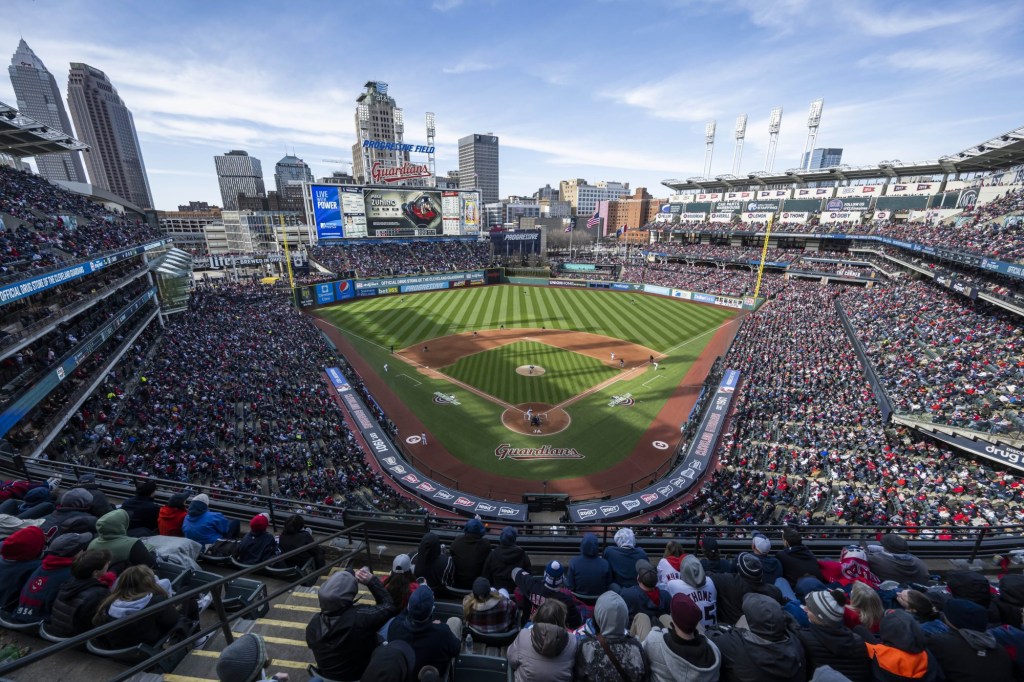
x=593 y=220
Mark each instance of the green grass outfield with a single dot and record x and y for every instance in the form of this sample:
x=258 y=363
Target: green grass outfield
x=472 y=430
x=565 y=373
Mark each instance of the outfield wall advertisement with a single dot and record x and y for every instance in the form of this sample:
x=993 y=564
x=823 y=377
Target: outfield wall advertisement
x=693 y=465
x=324 y=293
x=408 y=477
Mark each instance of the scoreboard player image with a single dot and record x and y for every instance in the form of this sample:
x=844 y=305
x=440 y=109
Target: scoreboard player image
x=421 y=211
x=402 y=212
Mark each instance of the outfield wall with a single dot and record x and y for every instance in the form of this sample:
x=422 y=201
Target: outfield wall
x=744 y=303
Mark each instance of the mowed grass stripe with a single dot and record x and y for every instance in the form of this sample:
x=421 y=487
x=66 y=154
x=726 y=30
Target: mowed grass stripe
x=494 y=372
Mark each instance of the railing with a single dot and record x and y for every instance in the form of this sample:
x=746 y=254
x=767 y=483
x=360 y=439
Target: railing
x=215 y=588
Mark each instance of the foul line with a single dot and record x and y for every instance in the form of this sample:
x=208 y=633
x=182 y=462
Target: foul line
x=656 y=376
x=415 y=381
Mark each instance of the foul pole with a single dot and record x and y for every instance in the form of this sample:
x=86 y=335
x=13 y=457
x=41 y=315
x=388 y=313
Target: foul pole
x=764 y=253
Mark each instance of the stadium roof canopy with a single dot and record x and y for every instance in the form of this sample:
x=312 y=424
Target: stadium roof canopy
x=999 y=153
x=22 y=136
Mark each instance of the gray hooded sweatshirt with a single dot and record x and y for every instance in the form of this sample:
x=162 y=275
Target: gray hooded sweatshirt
x=592 y=664
x=544 y=652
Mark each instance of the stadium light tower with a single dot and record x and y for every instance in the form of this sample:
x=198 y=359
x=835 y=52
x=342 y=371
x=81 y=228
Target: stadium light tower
x=741 y=132
x=774 y=124
x=431 y=130
x=813 y=120
x=709 y=142
x=399 y=127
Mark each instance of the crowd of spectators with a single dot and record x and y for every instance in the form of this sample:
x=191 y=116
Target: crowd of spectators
x=49 y=226
x=939 y=355
x=372 y=259
x=709 y=280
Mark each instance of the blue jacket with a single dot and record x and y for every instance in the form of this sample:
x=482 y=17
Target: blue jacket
x=206 y=527
x=623 y=562
x=13 y=575
x=589 y=573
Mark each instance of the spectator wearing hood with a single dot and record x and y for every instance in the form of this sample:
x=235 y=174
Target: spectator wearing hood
x=623 y=557
x=244 y=660
x=892 y=560
x=536 y=590
x=206 y=526
x=485 y=609
x=733 y=588
x=827 y=642
x=112 y=535
x=41 y=588
x=796 y=559
x=592 y=662
x=764 y=652
x=681 y=653
x=545 y=651
x=668 y=565
x=503 y=558
x=36 y=504
x=435 y=644
x=771 y=568
x=136 y=589
x=713 y=561
x=172 y=516
x=294 y=534
x=19 y=558
x=258 y=545
x=100 y=504
x=143 y=510
x=79 y=598
x=968 y=652
x=900 y=653
x=645 y=596
x=432 y=564
x=1006 y=606
x=469 y=553
x=589 y=573
x=343 y=635
x=72 y=514
x=392 y=662
x=970 y=585
x=695 y=584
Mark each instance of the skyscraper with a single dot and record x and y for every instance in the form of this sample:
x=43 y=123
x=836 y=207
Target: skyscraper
x=478 y=165
x=289 y=174
x=378 y=119
x=239 y=173
x=105 y=124
x=823 y=157
x=40 y=98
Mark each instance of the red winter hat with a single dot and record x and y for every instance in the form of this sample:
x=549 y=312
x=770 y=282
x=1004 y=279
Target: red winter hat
x=24 y=545
x=258 y=524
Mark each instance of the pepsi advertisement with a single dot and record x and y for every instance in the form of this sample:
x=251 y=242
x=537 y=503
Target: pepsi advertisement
x=327 y=212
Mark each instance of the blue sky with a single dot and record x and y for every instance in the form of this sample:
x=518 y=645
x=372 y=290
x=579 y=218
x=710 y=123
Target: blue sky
x=612 y=90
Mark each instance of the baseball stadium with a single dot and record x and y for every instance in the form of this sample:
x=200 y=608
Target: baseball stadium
x=383 y=425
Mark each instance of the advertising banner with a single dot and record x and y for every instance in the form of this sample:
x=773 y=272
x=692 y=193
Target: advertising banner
x=579 y=267
x=681 y=479
x=324 y=293
x=709 y=196
x=682 y=293
x=353 y=213
x=1004 y=454
x=698 y=207
x=770 y=205
x=1003 y=268
x=950 y=282
x=577 y=283
x=703 y=298
x=327 y=212
x=793 y=217
x=402 y=212
x=730 y=206
x=847 y=204
x=306 y=296
x=750 y=217
x=407 y=476
x=860 y=191
x=739 y=196
x=692 y=217
x=809 y=205
x=882 y=215
x=813 y=192
x=417 y=279
x=720 y=218
x=654 y=289
x=344 y=290
x=470 y=212
x=841 y=217
x=769 y=194
x=729 y=301
x=519 y=242
x=912 y=188
x=675 y=209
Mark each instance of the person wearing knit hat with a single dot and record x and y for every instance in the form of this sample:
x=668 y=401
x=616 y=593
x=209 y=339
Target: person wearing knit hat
x=503 y=558
x=434 y=644
x=623 y=557
x=343 y=635
x=258 y=545
x=244 y=660
x=969 y=651
x=694 y=583
x=206 y=526
x=892 y=560
x=827 y=642
x=535 y=589
x=487 y=610
x=19 y=557
x=391 y=662
x=645 y=596
x=681 y=652
x=172 y=515
x=733 y=588
x=40 y=589
x=469 y=553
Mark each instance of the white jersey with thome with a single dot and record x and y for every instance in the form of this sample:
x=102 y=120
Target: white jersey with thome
x=706 y=597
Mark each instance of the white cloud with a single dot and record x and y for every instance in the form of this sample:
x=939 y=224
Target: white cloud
x=445 y=5
x=469 y=65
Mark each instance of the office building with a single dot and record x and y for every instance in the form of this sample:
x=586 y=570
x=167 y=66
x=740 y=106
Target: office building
x=632 y=211
x=583 y=197
x=289 y=175
x=380 y=120
x=189 y=228
x=39 y=97
x=103 y=122
x=478 y=165
x=547 y=192
x=239 y=174
x=823 y=157
x=260 y=232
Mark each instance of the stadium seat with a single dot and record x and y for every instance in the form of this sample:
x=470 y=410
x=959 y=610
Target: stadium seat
x=7 y=623
x=457 y=593
x=446 y=609
x=49 y=636
x=138 y=653
x=495 y=639
x=288 y=573
x=177 y=575
x=588 y=599
x=469 y=667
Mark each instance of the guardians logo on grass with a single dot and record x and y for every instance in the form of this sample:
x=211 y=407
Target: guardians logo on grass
x=445 y=399
x=506 y=451
x=625 y=400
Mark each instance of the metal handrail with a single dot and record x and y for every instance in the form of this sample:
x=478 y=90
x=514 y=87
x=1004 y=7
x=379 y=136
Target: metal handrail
x=214 y=588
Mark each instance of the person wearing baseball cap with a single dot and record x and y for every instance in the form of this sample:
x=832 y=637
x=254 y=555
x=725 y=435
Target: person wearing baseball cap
x=681 y=652
x=827 y=642
x=771 y=567
x=258 y=545
x=401 y=583
x=469 y=552
x=645 y=596
x=40 y=590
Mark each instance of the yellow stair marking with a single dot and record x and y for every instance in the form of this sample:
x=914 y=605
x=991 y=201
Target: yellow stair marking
x=305 y=595
x=278 y=640
x=295 y=607
x=281 y=623
x=298 y=665
x=170 y=677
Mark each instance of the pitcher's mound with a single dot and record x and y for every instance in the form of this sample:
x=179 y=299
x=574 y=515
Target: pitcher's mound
x=552 y=419
x=530 y=370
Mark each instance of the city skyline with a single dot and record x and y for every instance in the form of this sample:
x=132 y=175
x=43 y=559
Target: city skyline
x=620 y=97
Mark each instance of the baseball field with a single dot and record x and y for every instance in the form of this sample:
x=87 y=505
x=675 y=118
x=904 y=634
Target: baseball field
x=514 y=386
